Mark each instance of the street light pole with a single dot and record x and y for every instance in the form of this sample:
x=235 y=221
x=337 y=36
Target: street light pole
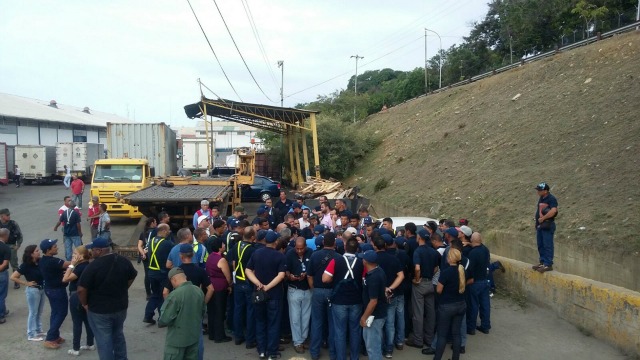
x=281 y=66
x=356 y=84
x=426 y=74
x=439 y=56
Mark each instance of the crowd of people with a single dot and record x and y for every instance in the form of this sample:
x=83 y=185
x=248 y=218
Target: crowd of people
x=324 y=279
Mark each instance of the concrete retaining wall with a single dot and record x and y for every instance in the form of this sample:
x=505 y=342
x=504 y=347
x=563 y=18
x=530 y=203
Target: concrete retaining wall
x=608 y=312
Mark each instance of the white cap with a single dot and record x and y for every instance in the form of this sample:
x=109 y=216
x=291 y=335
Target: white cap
x=202 y=217
x=466 y=230
x=352 y=230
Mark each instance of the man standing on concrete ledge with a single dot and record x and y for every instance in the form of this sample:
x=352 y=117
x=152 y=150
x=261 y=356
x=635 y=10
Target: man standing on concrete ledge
x=546 y=211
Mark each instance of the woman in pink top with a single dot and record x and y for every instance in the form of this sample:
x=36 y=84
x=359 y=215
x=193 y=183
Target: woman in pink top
x=220 y=275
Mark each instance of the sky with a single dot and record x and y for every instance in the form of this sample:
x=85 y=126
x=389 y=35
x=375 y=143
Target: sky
x=142 y=59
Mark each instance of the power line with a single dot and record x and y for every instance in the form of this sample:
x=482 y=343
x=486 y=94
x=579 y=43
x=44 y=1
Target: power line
x=240 y=53
x=256 y=35
x=213 y=51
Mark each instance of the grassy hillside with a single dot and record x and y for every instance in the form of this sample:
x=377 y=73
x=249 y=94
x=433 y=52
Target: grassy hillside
x=477 y=152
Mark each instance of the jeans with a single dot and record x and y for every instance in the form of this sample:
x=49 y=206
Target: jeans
x=424 y=312
x=216 y=309
x=320 y=313
x=67 y=181
x=394 y=326
x=372 y=336
x=108 y=330
x=156 y=279
x=69 y=243
x=59 y=304
x=463 y=332
x=299 y=314
x=79 y=317
x=450 y=319
x=35 y=300
x=479 y=302
x=545 y=244
x=244 y=312
x=268 y=316
x=346 y=320
x=4 y=288
x=77 y=198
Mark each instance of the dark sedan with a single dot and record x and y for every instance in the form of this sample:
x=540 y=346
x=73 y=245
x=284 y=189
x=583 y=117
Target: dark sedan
x=262 y=189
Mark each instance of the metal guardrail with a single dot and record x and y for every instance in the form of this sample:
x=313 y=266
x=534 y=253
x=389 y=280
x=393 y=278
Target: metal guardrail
x=536 y=57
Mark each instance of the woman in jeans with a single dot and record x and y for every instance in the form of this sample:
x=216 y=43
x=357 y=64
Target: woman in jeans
x=35 y=293
x=79 y=262
x=220 y=275
x=452 y=305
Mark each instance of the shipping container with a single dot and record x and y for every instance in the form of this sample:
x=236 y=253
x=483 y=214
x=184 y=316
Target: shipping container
x=153 y=142
x=4 y=173
x=37 y=163
x=195 y=157
x=11 y=160
x=79 y=157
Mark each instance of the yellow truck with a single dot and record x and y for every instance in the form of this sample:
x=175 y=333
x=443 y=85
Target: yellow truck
x=115 y=178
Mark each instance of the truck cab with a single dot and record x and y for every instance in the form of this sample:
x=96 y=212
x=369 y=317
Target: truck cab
x=115 y=178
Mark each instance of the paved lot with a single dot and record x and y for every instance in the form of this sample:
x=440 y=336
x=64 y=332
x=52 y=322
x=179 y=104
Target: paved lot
x=530 y=333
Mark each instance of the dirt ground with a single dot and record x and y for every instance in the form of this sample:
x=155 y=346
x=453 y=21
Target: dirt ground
x=527 y=333
x=477 y=151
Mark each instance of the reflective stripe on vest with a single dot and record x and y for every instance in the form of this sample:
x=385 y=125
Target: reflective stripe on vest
x=205 y=256
x=240 y=276
x=153 y=260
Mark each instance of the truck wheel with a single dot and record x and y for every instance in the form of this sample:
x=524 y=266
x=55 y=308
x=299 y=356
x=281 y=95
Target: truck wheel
x=265 y=196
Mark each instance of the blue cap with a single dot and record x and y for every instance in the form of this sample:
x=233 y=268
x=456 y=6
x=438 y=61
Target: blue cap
x=370 y=256
x=261 y=235
x=382 y=231
x=186 y=248
x=319 y=241
x=367 y=220
x=365 y=247
x=234 y=223
x=256 y=220
x=47 y=244
x=452 y=231
x=271 y=236
x=318 y=229
x=296 y=205
x=262 y=210
x=425 y=234
x=400 y=241
x=98 y=243
x=387 y=239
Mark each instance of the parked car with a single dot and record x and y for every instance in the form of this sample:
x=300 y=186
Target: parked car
x=262 y=189
x=400 y=221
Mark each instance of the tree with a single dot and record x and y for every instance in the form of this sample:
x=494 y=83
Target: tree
x=590 y=13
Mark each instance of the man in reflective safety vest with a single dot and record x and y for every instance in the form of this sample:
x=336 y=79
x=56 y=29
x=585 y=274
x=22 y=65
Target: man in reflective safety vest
x=159 y=249
x=243 y=288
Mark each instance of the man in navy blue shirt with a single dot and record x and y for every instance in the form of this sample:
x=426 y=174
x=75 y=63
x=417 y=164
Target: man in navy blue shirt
x=375 y=304
x=478 y=300
x=320 y=296
x=266 y=270
x=546 y=211
x=298 y=292
x=52 y=269
x=159 y=248
x=71 y=229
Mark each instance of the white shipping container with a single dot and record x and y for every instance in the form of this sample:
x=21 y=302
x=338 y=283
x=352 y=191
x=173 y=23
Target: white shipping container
x=78 y=156
x=153 y=142
x=64 y=156
x=194 y=154
x=36 y=162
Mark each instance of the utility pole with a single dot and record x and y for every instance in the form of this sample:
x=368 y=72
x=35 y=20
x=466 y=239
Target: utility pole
x=356 y=84
x=439 y=56
x=510 y=49
x=281 y=66
x=638 y=14
x=426 y=74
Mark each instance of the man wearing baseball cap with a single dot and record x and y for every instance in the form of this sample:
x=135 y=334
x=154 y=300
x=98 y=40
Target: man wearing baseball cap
x=374 y=303
x=182 y=313
x=103 y=290
x=546 y=211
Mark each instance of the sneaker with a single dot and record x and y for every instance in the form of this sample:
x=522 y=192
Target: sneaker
x=536 y=267
x=412 y=344
x=88 y=347
x=73 y=352
x=299 y=349
x=428 y=351
x=35 y=338
x=51 y=345
x=262 y=356
x=388 y=355
x=16 y=286
x=462 y=349
x=482 y=330
x=544 y=268
x=399 y=346
x=59 y=341
x=149 y=321
x=41 y=333
x=3 y=320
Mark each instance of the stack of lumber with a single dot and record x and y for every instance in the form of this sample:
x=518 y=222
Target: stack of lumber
x=318 y=186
